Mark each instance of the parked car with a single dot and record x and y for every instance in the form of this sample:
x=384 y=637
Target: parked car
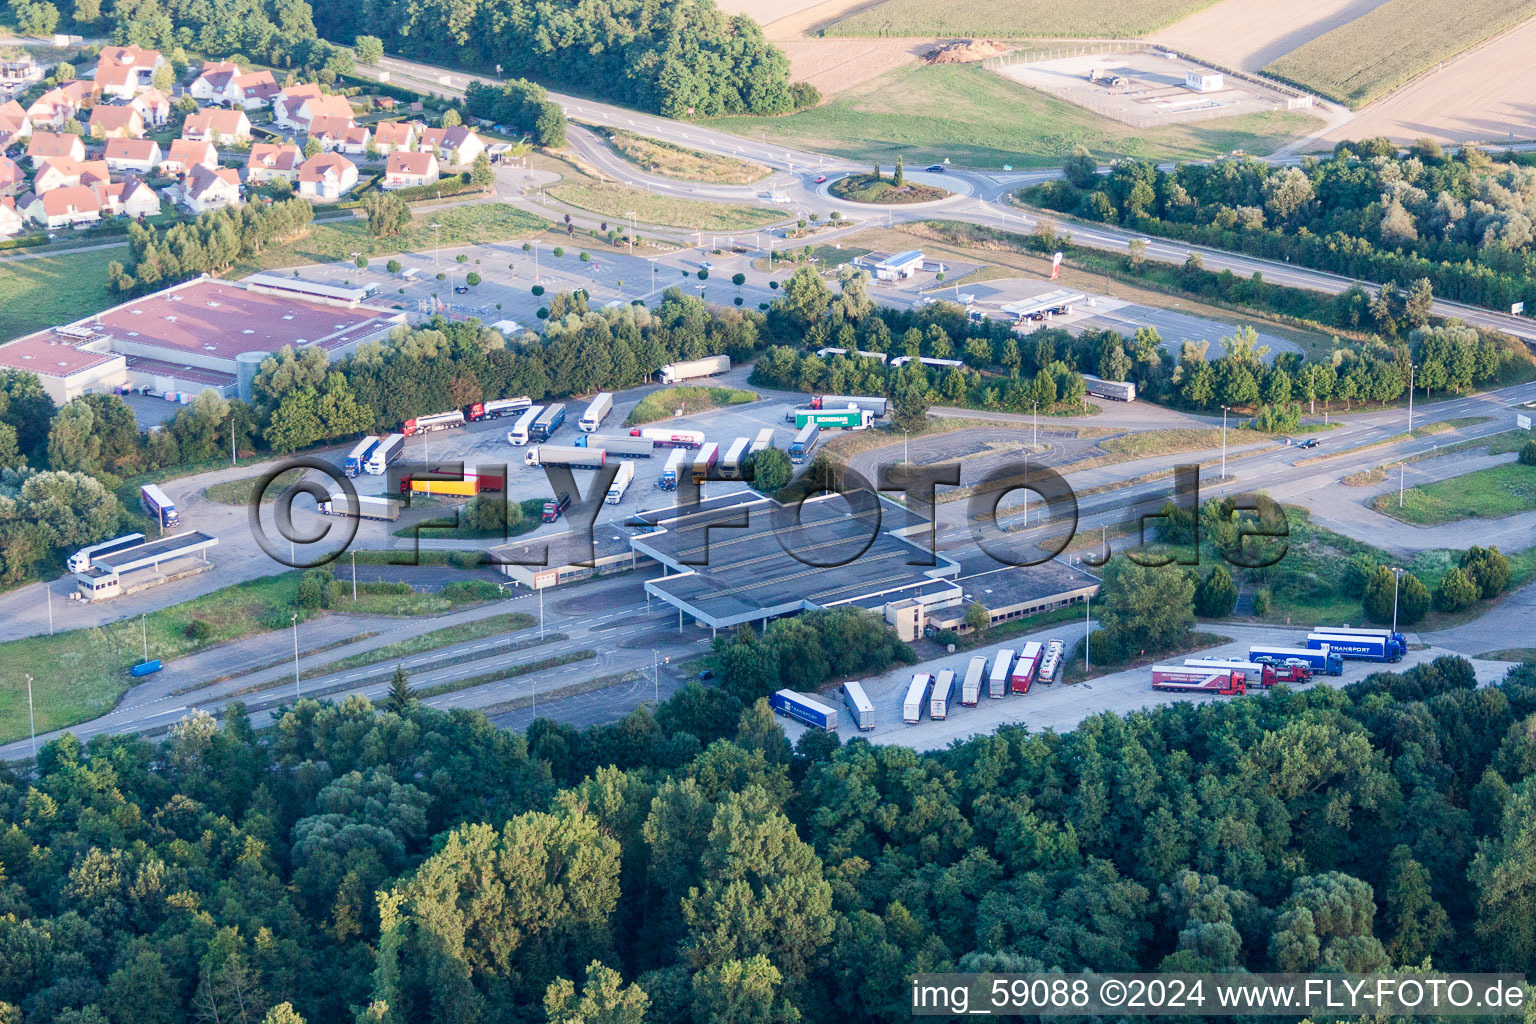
x=936 y=168
x=706 y=265
x=461 y=289
x=820 y=178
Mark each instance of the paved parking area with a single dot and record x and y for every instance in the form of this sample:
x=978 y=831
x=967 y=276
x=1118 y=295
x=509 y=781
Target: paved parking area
x=1176 y=327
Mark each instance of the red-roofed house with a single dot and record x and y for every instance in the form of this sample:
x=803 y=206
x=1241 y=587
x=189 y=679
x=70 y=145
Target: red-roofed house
x=216 y=125
x=12 y=222
x=211 y=189
x=215 y=83
x=185 y=154
x=389 y=136
x=456 y=146
x=84 y=93
x=327 y=176
x=407 y=170
x=51 y=109
x=269 y=160
x=256 y=89
x=52 y=146
x=153 y=106
x=339 y=134
x=129 y=198
x=286 y=104
x=315 y=107
x=116 y=122
x=11 y=175
x=62 y=172
x=141 y=155
x=121 y=71
x=14 y=123
x=66 y=207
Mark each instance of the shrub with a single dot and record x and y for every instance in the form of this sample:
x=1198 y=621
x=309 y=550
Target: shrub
x=1412 y=600
x=1355 y=575
x=198 y=630
x=1216 y=595
x=1488 y=569
x=559 y=252
x=1455 y=592
x=1261 y=601
x=1528 y=454
x=393 y=266
x=537 y=290
x=472 y=279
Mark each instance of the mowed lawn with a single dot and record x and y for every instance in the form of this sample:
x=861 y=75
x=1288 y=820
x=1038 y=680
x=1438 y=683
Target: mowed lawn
x=979 y=119
x=1367 y=58
x=54 y=290
x=1099 y=19
x=614 y=200
x=1493 y=493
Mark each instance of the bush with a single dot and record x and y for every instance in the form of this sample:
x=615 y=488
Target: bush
x=1488 y=569
x=393 y=266
x=472 y=279
x=537 y=290
x=1412 y=600
x=1216 y=595
x=1455 y=592
x=465 y=591
x=1528 y=454
x=198 y=630
x=1380 y=592
x=1355 y=575
x=1261 y=601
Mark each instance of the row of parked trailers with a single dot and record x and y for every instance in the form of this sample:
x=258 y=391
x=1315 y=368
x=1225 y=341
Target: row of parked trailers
x=1009 y=672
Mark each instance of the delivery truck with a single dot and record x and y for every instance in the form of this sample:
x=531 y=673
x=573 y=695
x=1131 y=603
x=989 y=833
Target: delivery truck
x=997 y=683
x=81 y=560
x=705 y=461
x=367 y=506
x=859 y=705
x=1361 y=644
x=1024 y=669
x=970 y=688
x=469 y=483
x=1050 y=664
x=159 y=507
x=938 y=701
x=665 y=437
x=852 y=418
x=917 y=696
x=621 y=482
x=388 y=450
x=804 y=708
x=598 y=408
x=519 y=433
x=674 y=466
x=735 y=455
x=495 y=410
x=692 y=369
x=357 y=458
x=547 y=423
x=1255 y=673
x=618 y=446
x=1226 y=681
x=804 y=443
x=876 y=406
x=437 y=421
x=1322 y=660
x=566 y=455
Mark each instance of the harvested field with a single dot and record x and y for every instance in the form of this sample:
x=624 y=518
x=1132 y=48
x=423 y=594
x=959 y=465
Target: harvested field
x=1248 y=34
x=1091 y=19
x=1367 y=58
x=836 y=65
x=1484 y=94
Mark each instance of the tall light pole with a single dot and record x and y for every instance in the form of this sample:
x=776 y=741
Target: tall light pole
x=1087 y=629
x=631 y=216
x=1037 y=423
x=1402 y=472
x=353 y=553
x=1410 y=397
x=1223 y=442
x=1397 y=578
x=297 y=692
x=144 y=627
x=31 y=718
x=656 y=674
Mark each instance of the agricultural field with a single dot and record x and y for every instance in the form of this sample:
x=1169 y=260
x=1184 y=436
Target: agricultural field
x=614 y=200
x=1367 y=58
x=832 y=65
x=38 y=293
x=1248 y=34
x=1093 y=19
x=979 y=119
x=674 y=161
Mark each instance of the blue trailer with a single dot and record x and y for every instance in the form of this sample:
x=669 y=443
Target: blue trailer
x=357 y=458
x=1322 y=660
x=1357 y=647
x=804 y=709
x=1392 y=638
x=145 y=668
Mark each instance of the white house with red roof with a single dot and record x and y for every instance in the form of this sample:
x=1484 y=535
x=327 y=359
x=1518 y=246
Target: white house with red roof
x=389 y=136
x=340 y=134
x=113 y=121
x=457 y=146
x=129 y=198
x=269 y=160
x=65 y=207
x=153 y=106
x=54 y=145
x=14 y=123
x=215 y=83
x=139 y=155
x=53 y=175
x=121 y=71
x=52 y=109
x=211 y=189
x=286 y=104
x=12 y=221
x=11 y=175
x=407 y=170
x=186 y=154
x=327 y=176
x=216 y=125
x=257 y=89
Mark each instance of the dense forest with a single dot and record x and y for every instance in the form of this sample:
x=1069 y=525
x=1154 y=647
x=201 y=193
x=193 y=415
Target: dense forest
x=403 y=864
x=1463 y=222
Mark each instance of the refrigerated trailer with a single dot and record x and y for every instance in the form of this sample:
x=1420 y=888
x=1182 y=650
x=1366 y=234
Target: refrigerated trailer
x=618 y=446
x=674 y=466
x=495 y=410
x=621 y=482
x=938 y=701
x=691 y=369
x=519 y=433
x=662 y=437
x=917 y=696
x=357 y=458
x=705 y=461
x=852 y=418
x=804 y=709
x=437 y=421
x=158 y=506
x=1254 y=673
x=1114 y=390
x=764 y=439
x=366 y=507
x=1227 y=682
x=81 y=560
x=565 y=455
x=997 y=684
x=1024 y=669
x=859 y=705
x=469 y=484
x=387 y=451
x=876 y=406
x=970 y=689
x=804 y=443
x=1365 y=644
x=598 y=408
x=1321 y=660
x=548 y=422
x=735 y=455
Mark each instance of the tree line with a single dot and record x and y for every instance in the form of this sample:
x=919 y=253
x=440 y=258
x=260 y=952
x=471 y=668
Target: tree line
x=211 y=244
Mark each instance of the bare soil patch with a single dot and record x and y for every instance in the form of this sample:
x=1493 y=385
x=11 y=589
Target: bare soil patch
x=1248 y=34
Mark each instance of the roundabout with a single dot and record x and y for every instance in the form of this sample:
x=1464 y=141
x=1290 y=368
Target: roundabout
x=919 y=189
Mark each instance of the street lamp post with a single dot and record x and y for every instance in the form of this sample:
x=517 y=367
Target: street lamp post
x=1410 y=397
x=656 y=674
x=31 y=718
x=1402 y=472
x=631 y=216
x=1087 y=629
x=1223 y=442
x=297 y=692
x=1397 y=578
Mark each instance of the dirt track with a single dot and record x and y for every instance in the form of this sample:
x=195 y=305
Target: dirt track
x=1248 y=34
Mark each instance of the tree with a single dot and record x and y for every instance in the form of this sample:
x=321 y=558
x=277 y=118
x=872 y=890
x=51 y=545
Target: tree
x=1412 y=601
x=163 y=78
x=900 y=177
x=451 y=118
x=472 y=279
x=481 y=174
x=1414 y=923
x=603 y=1000
x=361 y=263
x=393 y=266
x=977 y=617
x=369 y=49
x=1455 y=592
x=1325 y=924
x=387 y=214
x=742 y=992
x=399 y=700
x=311 y=148
x=1528 y=454
x=34 y=18
x=1079 y=167
x=1143 y=608
x=770 y=470
x=1488 y=569
x=1380 y=594
x=1216 y=595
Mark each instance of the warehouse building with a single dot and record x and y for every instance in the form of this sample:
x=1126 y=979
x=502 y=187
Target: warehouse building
x=1013 y=592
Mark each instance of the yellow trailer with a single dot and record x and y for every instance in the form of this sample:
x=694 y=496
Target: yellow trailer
x=462 y=488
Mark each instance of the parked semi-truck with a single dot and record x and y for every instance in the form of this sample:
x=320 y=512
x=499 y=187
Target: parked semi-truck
x=1255 y=673
x=547 y=423
x=735 y=455
x=618 y=446
x=997 y=683
x=621 y=482
x=1320 y=660
x=437 y=421
x=764 y=439
x=691 y=369
x=859 y=705
x=674 y=466
x=1050 y=664
x=938 y=701
x=81 y=560
x=917 y=696
x=664 y=437
x=1226 y=681
x=566 y=455
x=357 y=458
x=804 y=443
x=367 y=507
x=159 y=507
x=1026 y=666
x=599 y=407
x=970 y=688
x=495 y=410
x=704 y=461
x=519 y=433
x=877 y=406
x=1114 y=390
x=851 y=418
x=384 y=455
x=555 y=507
x=1362 y=644
x=803 y=708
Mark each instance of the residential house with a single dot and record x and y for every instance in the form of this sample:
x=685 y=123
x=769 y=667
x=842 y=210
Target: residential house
x=11 y=175
x=154 y=107
x=53 y=146
x=270 y=160
x=215 y=125
x=12 y=221
x=121 y=71
x=327 y=176
x=315 y=107
x=52 y=109
x=257 y=89
x=207 y=189
x=19 y=74
x=389 y=136
x=286 y=104
x=129 y=198
x=457 y=146
x=186 y=154
x=340 y=135
x=82 y=92
x=66 y=207
x=116 y=122
x=53 y=175
x=215 y=83
x=139 y=155
x=407 y=170
x=15 y=125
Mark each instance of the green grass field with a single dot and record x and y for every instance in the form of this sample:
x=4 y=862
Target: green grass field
x=1492 y=493
x=866 y=188
x=979 y=119
x=658 y=405
x=1100 y=19
x=1367 y=58
x=238 y=492
x=673 y=161
x=54 y=290
x=614 y=200
x=464 y=632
